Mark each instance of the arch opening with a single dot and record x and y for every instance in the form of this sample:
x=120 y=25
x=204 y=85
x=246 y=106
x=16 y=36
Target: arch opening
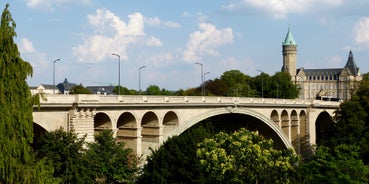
x=101 y=122
x=323 y=124
x=38 y=132
x=274 y=116
x=170 y=122
x=285 y=123
x=295 y=131
x=150 y=127
x=305 y=147
x=234 y=121
x=127 y=126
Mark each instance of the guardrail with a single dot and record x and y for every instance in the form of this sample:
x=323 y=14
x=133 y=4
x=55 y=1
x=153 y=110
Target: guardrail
x=143 y=99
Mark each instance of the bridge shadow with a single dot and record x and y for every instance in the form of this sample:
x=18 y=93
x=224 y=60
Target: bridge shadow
x=232 y=122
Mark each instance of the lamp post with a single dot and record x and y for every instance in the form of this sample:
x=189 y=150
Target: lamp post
x=262 y=83
x=139 y=79
x=202 y=78
x=54 y=74
x=118 y=72
x=206 y=73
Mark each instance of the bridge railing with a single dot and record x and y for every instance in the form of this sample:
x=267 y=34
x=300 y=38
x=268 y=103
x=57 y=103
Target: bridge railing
x=137 y=99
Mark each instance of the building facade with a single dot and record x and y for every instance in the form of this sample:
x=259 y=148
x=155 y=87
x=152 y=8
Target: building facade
x=326 y=84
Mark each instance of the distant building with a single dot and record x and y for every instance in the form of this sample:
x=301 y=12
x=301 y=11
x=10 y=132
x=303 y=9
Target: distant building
x=65 y=86
x=103 y=90
x=334 y=83
x=44 y=89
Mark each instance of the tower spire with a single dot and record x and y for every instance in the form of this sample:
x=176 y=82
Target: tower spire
x=289 y=50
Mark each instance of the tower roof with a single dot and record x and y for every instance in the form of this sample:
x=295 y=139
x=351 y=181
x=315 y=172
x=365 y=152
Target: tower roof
x=351 y=65
x=289 y=38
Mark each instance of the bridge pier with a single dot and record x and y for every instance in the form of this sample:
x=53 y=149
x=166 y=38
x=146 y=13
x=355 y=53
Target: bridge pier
x=82 y=123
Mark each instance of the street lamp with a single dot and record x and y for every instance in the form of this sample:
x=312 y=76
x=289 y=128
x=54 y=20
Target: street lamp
x=205 y=80
x=202 y=77
x=54 y=74
x=262 y=83
x=139 y=79
x=118 y=72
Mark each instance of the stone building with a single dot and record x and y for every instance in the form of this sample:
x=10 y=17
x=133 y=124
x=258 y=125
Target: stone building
x=327 y=83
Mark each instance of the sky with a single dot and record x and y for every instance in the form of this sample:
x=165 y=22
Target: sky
x=169 y=37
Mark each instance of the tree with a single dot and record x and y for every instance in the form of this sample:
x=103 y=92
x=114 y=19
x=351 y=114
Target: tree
x=16 y=121
x=244 y=157
x=79 y=89
x=262 y=84
x=237 y=83
x=282 y=87
x=176 y=161
x=216 y=87
x=109 y=161
x=65 y=152
x=340 y=165
x=153 y=90
x=124 y=91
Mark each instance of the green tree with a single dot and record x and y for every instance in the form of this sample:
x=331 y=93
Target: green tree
x=153 y=90
x=176 y=161
x=237 y=83
x=351 y=127
x=65 y=152
x=282 y=87
x=244 y=157
x=124 y=91
x=16 y=122
x=79 y=89
x=109 y=161
x=262 y=84
x=216 y=87
x=340 y=165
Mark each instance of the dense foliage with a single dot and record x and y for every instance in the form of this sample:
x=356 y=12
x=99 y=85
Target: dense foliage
x=342 y=164
x=109 y=161
x=75 y=161
x=16 y=129
x=65 y=153
x=175 y=161
x=244 y=157
x=232 y=83
x=79 y=89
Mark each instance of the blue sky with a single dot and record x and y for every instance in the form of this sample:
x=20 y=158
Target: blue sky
x=169 y=37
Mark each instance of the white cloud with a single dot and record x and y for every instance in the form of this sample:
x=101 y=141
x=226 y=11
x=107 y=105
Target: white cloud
x=201 y=17
x=152 y=41
x=112 y=35
x=155 y=21
x=31 y=54
x=162 y=59
x=361 y=32
x=205 y=41
x=280 y=8
x=48 y=5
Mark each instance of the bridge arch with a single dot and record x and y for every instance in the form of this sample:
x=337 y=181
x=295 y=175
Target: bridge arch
x=274 y=116
x=323 y=123
x=295 y=127
x=170 y=121
x=150 y=126
x=38 y=132
x=127 y=126
x=244 y=111
x=101 y=121
x=285 y=123
x=304 y=135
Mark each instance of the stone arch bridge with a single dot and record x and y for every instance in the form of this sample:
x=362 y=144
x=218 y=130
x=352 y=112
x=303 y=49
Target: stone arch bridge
x=147 y=121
